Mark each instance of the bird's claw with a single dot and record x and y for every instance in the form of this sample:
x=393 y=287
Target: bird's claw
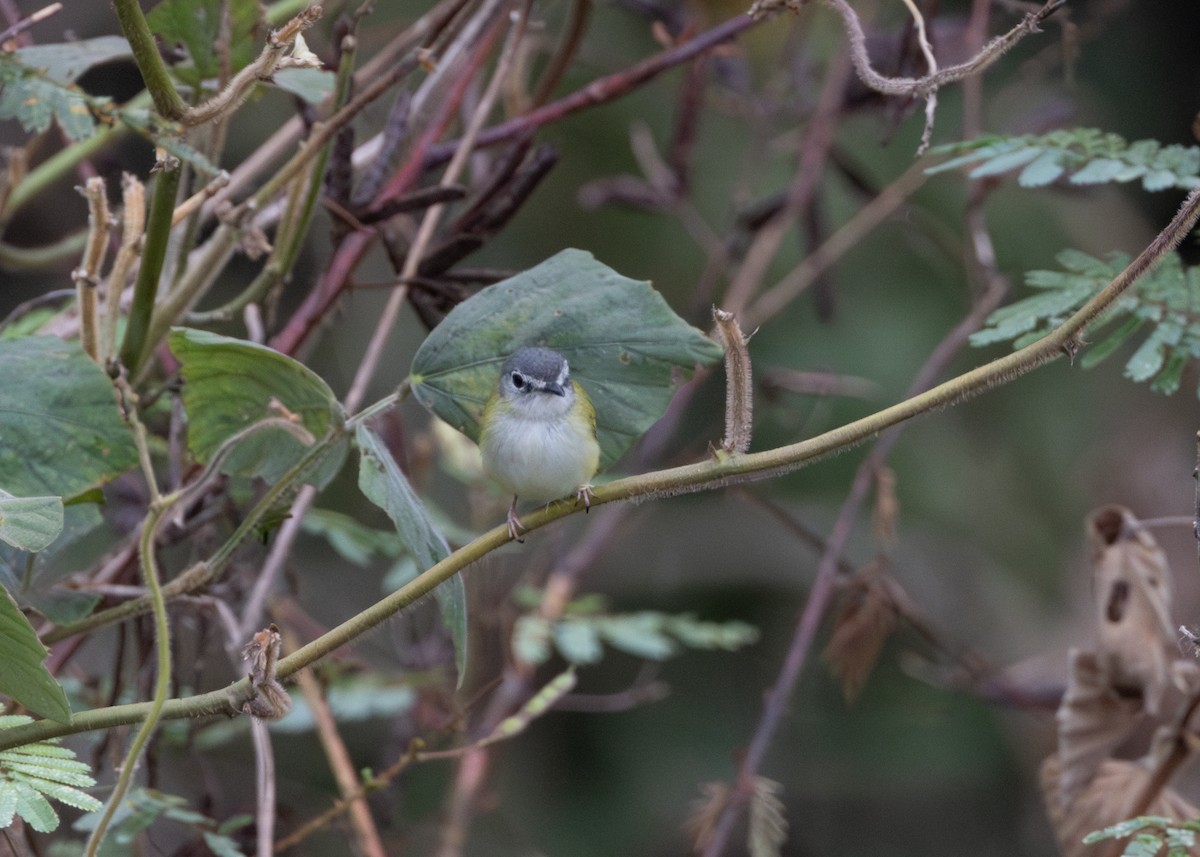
x=584 y=494
x=514 y=523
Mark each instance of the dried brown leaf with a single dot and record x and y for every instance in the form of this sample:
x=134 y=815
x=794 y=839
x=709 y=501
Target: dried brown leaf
x=1106 y=801
x=862 y=626
x=1092 y=720
x=1132 y=587
x=702 y=820
x=768 y=824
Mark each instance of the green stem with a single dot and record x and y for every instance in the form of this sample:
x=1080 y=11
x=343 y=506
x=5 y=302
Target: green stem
x=145 y=53
x=137 y=344
x=13 y=258
x=162 y=680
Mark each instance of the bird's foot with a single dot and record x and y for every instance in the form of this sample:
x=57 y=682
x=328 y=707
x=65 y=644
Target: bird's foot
x=514 y=523
x=584 y=494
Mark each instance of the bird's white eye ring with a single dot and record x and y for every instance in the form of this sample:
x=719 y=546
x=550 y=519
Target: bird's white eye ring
x=518 y=380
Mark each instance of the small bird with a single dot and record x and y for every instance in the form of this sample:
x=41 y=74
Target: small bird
x=538 y=435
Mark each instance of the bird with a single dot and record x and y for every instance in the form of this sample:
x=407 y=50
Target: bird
x=538 y=432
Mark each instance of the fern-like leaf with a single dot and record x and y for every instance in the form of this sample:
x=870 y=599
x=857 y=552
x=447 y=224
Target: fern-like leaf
x=580 y=635
x=1083 y=155
x=33 y=772
x=1165 y=303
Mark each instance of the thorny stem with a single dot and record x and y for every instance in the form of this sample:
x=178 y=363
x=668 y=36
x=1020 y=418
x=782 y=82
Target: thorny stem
x=705 y=475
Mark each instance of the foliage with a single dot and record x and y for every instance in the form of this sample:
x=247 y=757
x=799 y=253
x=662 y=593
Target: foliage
x=1166 y=301
x=1150 y=836
x=196 y=27
x=586 y=625
x=38 y=84
x=145 y=807
x=1084 y=156
x=31 y=773
x=64 y=434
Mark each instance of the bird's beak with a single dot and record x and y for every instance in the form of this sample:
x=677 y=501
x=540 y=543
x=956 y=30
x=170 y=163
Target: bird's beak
x=556 y=389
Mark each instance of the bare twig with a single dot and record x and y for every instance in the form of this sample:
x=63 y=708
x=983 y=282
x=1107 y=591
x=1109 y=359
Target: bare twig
x=87 y=275
x=739 y=385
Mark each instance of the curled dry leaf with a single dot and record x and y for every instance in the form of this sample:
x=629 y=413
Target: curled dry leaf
x=1092 y=720
x=866 y=619
x=1106 y=801
x=1132 y=587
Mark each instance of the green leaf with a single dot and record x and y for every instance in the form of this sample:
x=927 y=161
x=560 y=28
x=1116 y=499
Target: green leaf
x=311 y=84
x=1115 y=340
x=354 y=700
x=39 y=82
x=34 y=808
x=384 y=484
x=195 y=25
x=638 y=634
x=531 y=639
x=64 y=433
x=220 y=845
x=626 y=347
x=22 y=674
x=30 y=523
x=1044 y=170
x=354 y=542
x=231 y=384
x=1099 y=171
x=1005 y=162
x=578 y=642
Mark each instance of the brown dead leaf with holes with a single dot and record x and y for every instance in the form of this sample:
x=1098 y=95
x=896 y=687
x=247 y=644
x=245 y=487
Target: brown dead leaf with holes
x=1132 y=587
x=865 y=621
x=1106 y=800
x=1092 y=721
x=1111 y=689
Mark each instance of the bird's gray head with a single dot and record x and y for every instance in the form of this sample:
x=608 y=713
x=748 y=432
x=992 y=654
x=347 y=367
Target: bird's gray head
x=535 y=370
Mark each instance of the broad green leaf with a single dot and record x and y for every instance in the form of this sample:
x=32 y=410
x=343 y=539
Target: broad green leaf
x=66 y=62
x=195 y=25
x=626 y=347
x=30 y=523
x=230 y=385
x=59 y=419
x=385 y=485
x=34 y=584
x=39 y=83
x=22 y=674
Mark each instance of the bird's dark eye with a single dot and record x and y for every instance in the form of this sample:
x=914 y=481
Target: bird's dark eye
x=518 y=380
